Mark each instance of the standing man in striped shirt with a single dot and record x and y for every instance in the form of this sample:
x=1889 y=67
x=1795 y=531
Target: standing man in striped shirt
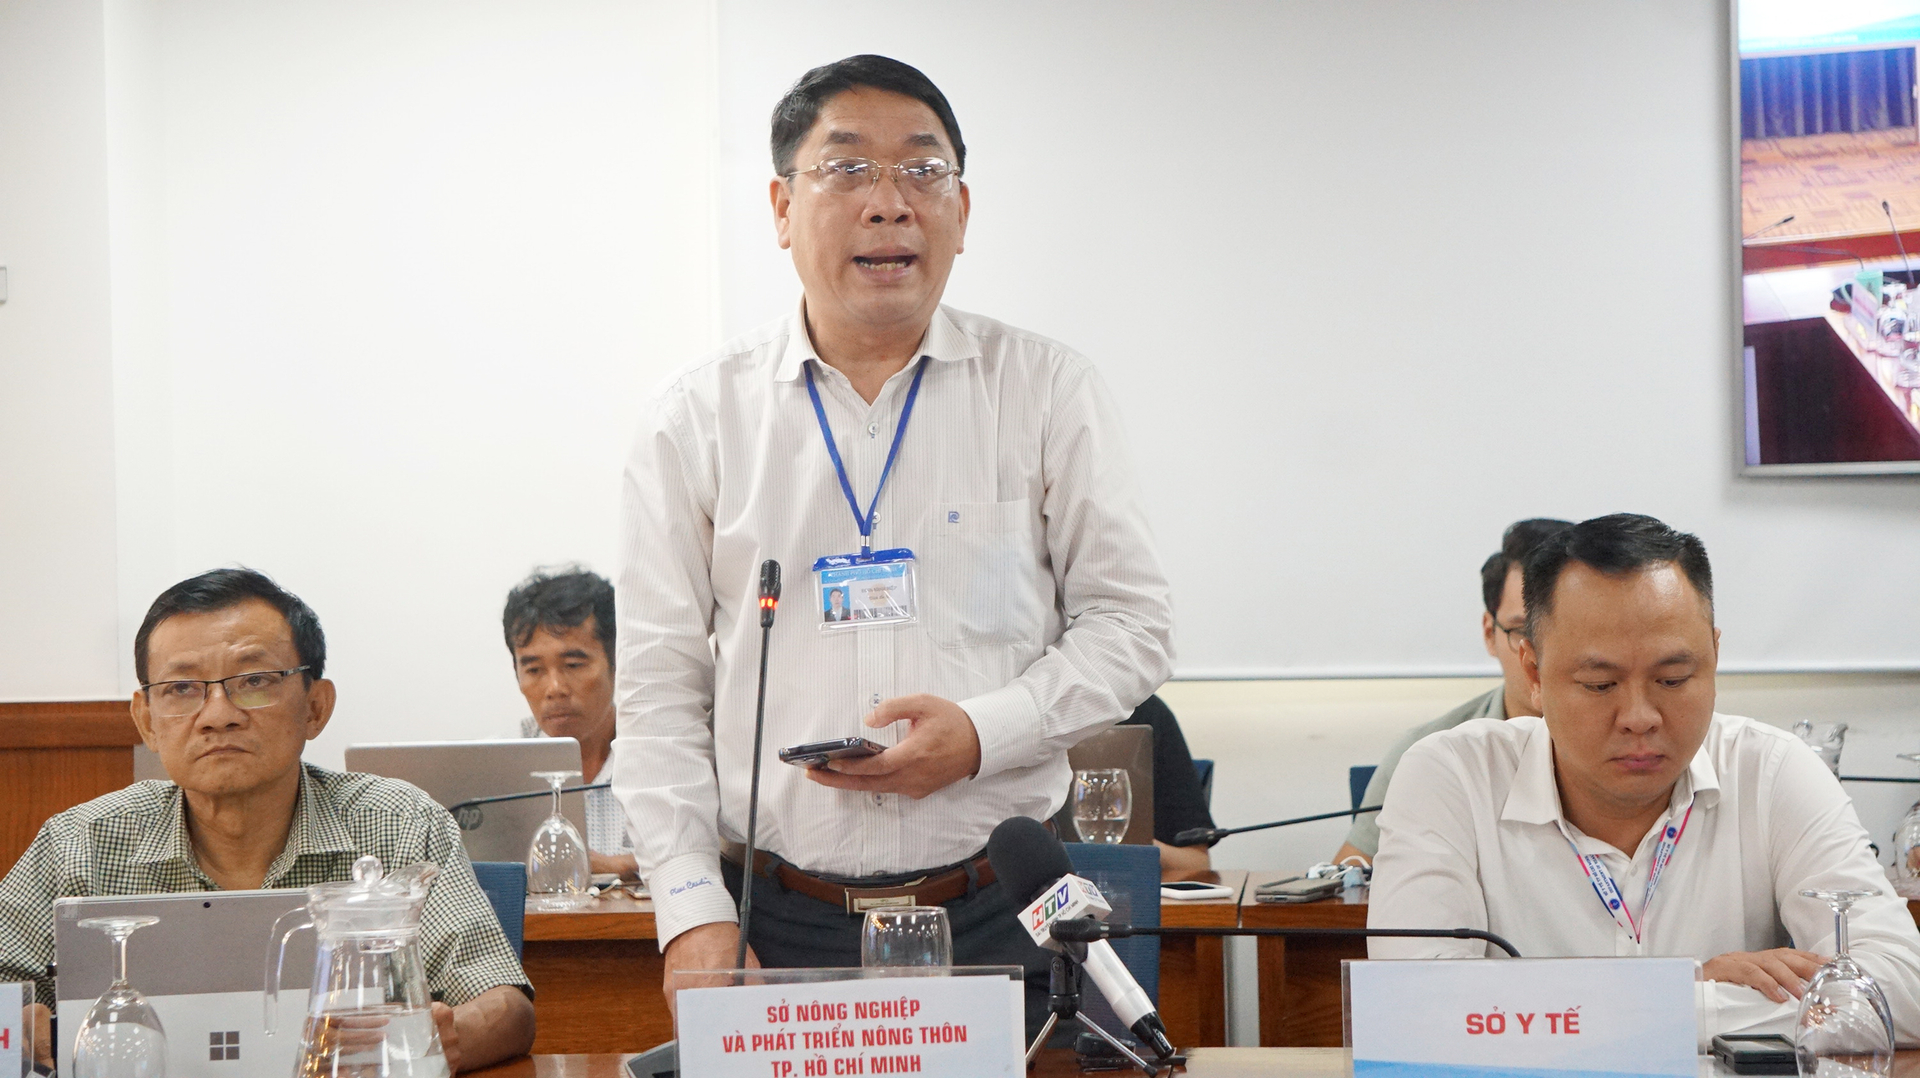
x=970 y=580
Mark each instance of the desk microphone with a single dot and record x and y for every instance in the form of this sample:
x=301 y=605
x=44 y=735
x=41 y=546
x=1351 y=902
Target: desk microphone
x=769 y=602
x=1194 y=836
x=1088 y=929
x=1038 y=873
x=1769 y=228
x=1908 y=266
x=468 y=815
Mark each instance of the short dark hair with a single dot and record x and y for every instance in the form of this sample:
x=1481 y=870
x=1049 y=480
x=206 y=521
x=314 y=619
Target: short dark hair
x=221 y=589
x=1615 y=544
x=561 y=598
x=799 y=110
x=1519 y=540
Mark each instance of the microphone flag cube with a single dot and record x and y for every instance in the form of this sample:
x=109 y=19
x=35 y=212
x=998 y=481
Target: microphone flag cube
x=1072 y=896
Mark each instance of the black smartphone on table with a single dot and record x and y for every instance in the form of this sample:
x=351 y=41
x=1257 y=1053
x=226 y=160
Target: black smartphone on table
x=1755 y=1053
x=815 y=754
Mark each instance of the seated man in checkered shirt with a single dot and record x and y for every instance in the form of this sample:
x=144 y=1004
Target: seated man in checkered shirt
x=229 y=667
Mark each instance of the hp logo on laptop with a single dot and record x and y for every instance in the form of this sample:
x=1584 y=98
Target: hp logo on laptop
x=223 y=1046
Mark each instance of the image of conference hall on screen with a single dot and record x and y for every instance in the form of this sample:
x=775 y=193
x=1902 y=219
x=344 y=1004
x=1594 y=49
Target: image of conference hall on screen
x=1830 y=231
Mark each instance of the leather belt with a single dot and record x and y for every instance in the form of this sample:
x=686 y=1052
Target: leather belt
x=935 y=890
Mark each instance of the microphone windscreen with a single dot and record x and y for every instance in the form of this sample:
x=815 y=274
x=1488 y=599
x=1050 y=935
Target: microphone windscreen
x=1026 y=858
x=769 y=579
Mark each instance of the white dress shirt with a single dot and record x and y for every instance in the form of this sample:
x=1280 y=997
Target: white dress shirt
x=1473 y=836
x=1043 y=611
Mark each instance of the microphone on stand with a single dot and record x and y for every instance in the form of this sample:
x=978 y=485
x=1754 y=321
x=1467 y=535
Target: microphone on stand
x=1194 y=836
x=1907 y=266
x=1036 y=870
x=769 y=602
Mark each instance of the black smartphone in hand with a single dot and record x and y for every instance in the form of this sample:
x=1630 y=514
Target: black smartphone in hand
x=815 y=754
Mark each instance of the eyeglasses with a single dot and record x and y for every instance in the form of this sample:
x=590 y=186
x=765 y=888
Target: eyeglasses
x=1520 y=629
x=184 y=699
x=851 y=175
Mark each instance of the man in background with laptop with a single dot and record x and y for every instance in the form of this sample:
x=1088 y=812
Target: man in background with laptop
x=230 y=691
x=559 y=628
x=1501 y=625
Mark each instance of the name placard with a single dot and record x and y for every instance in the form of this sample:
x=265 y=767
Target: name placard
x=14 y=1041
x=962 y=1027
x=1565 y=1017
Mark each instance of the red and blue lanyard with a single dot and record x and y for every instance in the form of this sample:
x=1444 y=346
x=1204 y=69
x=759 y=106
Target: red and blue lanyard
x=1609 y=891
x=865 y=521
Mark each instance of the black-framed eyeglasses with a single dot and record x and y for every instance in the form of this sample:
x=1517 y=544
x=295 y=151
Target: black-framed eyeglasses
x=184 y=698
x=1519 y=630
x=852 y=175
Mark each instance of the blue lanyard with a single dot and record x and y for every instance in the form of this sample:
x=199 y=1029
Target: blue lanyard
x=1609 y=891
x=865 y=521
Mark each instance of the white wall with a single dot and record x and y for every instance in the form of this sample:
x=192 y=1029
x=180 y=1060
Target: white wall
x=413 y=268
x=57 y=543
x=1370 y=280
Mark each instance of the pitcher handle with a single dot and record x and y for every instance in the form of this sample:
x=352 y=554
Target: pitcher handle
x=277 y=961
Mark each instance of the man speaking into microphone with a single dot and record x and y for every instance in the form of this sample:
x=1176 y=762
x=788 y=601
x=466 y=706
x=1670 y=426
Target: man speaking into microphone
x=958 y=487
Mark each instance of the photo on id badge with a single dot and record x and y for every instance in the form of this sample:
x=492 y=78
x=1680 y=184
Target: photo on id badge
x=856 y=591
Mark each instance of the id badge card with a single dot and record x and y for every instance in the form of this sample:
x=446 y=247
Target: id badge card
x=856 y=590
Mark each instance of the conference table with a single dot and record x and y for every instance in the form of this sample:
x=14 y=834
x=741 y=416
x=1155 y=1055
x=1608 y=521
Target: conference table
x=1301 y=1000
x=1202 y=1063
x=596 y=972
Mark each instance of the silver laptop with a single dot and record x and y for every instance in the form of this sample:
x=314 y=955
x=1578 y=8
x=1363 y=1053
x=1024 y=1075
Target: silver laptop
x=452 y=772
x=203 y=970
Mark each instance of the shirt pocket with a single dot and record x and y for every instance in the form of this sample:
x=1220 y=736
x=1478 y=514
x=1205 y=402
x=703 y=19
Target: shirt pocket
x=977 y=583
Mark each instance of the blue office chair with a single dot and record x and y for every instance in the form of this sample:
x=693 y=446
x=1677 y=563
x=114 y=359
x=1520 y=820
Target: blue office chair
x=1130 y=878
x=1204 y=768
x=1357 y=780
x=505 y=884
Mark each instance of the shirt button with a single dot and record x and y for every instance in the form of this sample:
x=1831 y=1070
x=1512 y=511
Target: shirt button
x=873 y=430
x=879 y=799
x=874 y=701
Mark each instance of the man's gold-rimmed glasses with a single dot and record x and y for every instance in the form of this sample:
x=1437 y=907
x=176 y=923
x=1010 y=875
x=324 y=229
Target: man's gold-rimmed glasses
x=931 y=176
x=183 y=699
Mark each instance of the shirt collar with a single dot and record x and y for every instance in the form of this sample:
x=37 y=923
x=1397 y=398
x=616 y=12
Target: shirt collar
x=1535 y=797
x=944 y=342
x=317 y=829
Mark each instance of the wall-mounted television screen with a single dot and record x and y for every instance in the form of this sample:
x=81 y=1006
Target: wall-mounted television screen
x=1829 y=235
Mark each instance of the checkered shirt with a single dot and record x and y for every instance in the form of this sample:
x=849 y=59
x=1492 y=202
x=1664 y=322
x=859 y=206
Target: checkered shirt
x=134 y=842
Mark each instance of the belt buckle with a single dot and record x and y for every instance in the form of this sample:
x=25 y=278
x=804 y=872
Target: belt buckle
x=861 y=905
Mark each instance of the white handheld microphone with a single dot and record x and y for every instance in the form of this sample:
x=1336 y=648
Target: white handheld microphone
x=1032 y=864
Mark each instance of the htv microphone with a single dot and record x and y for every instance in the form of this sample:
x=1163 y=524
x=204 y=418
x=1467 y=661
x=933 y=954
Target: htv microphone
x=1035 y=869
x=769 y=602
x=1769 y=228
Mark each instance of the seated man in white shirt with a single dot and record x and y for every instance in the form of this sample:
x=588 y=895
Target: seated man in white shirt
x=1708 y=825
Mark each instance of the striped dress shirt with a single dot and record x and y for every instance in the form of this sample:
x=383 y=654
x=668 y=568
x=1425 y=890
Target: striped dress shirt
x=1043 y=611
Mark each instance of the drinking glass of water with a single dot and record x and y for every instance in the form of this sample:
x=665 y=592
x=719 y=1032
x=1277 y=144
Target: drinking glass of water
x=1825 y=739
x=1102 y=804
x=915 y=936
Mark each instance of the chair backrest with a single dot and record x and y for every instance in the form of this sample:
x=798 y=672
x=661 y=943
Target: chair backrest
x=1204 y=768
x=1357 y=780
x=1130 y=878
x=505 y=884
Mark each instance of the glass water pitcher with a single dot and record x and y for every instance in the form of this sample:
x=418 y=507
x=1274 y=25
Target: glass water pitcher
x=369 y=1013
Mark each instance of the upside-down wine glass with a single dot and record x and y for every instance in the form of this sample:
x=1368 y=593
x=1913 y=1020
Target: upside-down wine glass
x=121 y=1036
x=1845 y=1026
x=558 y=874
x=1102 y=804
